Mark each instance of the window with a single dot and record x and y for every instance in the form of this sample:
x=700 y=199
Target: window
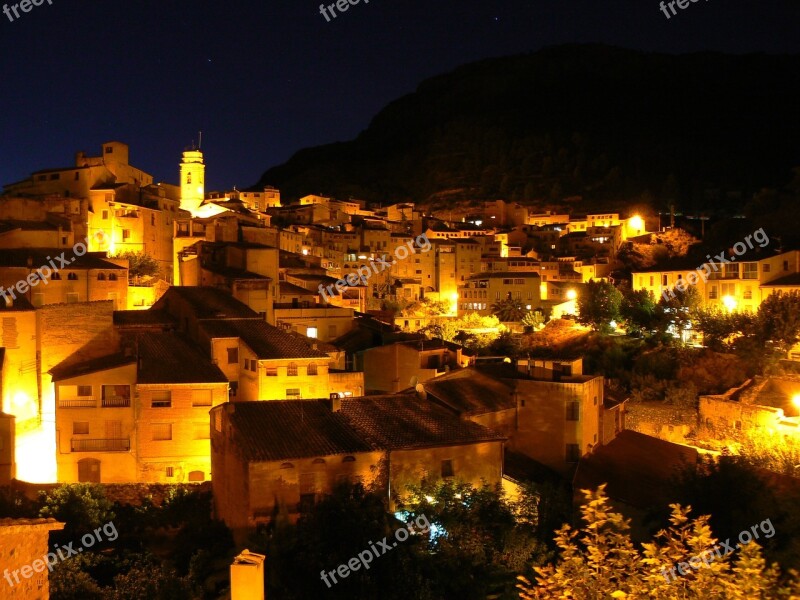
x=765 y=268
x=573 y=453
x=196 y=476
x=254 y=365
x=750 y=271
x=233 y=356
x=188 y=178
x=170 y=471
x=80 y=428
x=161 y=399
x=116 y=396
x=312 y=369
x=311 y=332
x=287 y=465
x=201 y=398
x=105 y=215
x=291 y=370
x=447 y=468
x=786 y=265
x=573 y=410
x=712 y=293
x=84 y=391
x=72 y=277
x=55 y=277
x=112 y=277
x=272 y=371
x=162 y=432
x=748 y=293
x=348 y=459
x=293 y=394
x=101 y=277
x=126 y=234
x=109 y=149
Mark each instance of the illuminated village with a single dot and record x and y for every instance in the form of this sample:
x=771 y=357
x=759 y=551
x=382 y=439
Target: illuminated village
x=268 y=351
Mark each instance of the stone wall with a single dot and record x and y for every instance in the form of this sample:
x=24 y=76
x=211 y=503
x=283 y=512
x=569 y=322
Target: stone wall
x=666 y=422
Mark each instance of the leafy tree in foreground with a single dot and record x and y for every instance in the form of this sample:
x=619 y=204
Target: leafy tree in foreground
x=140 y=264
x=600 y=561
x=599 y=304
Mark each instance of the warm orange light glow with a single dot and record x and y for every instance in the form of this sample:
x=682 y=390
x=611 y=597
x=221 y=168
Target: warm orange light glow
x=796 y=400
x=571 y=294
x=729 y=302
x=36 y=455
x=637 y=222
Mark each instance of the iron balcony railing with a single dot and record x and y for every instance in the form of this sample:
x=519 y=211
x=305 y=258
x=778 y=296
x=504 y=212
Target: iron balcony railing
x=101 y=445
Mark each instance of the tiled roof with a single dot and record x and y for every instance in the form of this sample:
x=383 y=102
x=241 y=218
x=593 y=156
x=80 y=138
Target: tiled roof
x=638 y=469
x=234 y=272
x=406 y=422
x=287 y=288
x=291 y=429
x=103 y=363
x=209 y=303
x=266 y=341
x=143 y=318
x=470 y=392
x=792 y=280
x=166 y=358
x=40 y=257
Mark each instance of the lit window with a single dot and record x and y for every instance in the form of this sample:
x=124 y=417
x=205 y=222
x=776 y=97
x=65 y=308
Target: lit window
x=311 y=332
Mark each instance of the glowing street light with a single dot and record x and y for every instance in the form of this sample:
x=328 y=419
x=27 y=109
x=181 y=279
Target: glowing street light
x=729 y=302
x=571 y=294
x=636 y=223
x=796 y=400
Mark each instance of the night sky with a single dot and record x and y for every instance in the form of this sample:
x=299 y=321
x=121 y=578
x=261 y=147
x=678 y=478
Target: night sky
x=265 y=79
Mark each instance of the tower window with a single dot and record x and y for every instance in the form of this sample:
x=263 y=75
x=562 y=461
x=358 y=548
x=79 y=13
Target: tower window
x=188 y=179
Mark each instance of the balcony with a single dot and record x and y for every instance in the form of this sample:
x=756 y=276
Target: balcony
x=116 y=402
x=77 y=403
x=101 y=445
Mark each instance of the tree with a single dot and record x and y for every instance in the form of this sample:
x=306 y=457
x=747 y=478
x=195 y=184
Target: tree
x=778 y=320
x=600 y=561
x=599 y=304
x=509 y=310
x=82 y=506
x=537 y=318
x=639 y=311
x=140 y=265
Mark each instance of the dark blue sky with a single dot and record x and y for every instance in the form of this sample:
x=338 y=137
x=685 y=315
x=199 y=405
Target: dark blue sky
x=264 y=79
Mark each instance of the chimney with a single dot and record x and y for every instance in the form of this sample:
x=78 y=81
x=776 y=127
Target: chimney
x=247 y=576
